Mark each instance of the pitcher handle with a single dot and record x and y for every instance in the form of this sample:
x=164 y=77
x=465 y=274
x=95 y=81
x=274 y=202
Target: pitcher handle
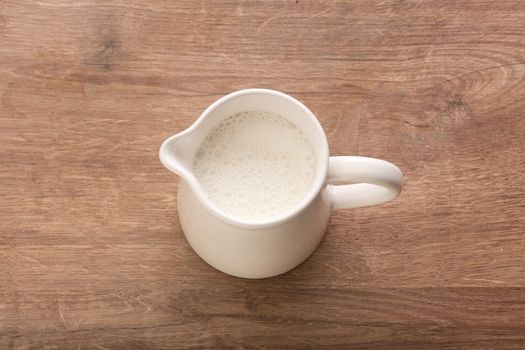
x=367 y=181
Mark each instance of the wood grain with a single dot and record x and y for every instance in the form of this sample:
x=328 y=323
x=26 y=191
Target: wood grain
x=91 y=252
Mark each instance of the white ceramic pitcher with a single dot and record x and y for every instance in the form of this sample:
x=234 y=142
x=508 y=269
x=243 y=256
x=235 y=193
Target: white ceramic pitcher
x=264 y=249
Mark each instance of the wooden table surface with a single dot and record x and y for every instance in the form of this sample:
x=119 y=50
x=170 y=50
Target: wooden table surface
x=91 y=252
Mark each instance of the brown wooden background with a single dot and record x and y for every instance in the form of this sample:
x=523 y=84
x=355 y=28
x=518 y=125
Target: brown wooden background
x=91 y=252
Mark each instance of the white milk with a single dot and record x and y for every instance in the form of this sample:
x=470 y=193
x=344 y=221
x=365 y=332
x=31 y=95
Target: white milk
x=255 y=165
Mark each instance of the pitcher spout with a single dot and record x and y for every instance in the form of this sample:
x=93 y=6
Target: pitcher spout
x=176 y=154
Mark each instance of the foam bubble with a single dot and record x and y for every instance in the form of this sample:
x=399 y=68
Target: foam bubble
x=255 y=165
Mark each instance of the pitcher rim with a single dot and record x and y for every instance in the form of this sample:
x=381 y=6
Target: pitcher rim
x=311 y=194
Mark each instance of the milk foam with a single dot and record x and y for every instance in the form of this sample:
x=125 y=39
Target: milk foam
x=255 y=165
